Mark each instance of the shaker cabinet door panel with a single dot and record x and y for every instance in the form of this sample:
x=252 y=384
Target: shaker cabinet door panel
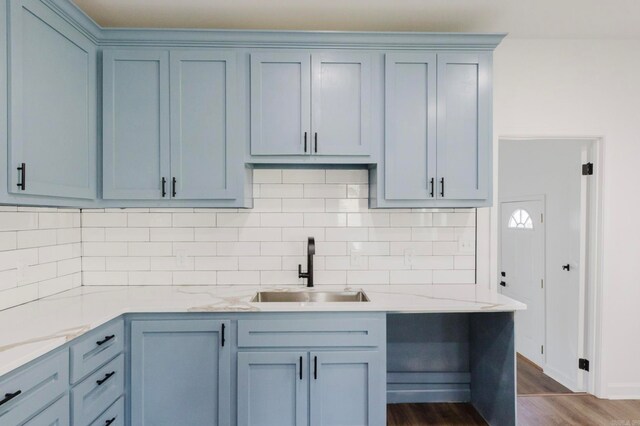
x=135 y=124
x=464 y=126
x=272 y=389
x=180 y=373
x=52 y=105
x=202 y=123
x=280 y=103
x=341 y=103
x=347 y=388
x=410 y=126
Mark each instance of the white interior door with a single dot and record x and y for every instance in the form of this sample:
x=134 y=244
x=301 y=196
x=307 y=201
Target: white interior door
x=553 y=168
x=522 y=260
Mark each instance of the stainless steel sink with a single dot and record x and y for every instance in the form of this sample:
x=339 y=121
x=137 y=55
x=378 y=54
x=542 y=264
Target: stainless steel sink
x=310 y=296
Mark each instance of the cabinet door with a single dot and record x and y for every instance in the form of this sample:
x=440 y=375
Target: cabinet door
x=272 y=388
x=347 y=388
x=280 y=103
x=135 y=124
x=57 y=414
x=52 y=126
x=202 y=123
x=410 y=126
x=341 y=99
x=464 y=126
x=176 y=366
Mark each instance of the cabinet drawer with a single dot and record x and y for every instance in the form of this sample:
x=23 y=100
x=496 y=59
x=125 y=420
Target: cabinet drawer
x=114 y=416
x=35 y=387
x=309 y=333
x=95 y=349
x=97 y=392
x=57 y=414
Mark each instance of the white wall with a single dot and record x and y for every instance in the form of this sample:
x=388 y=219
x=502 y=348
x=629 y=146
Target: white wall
x=264 y=245
x=585 y=88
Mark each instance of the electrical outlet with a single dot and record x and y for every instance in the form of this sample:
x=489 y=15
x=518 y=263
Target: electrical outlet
x=181 y=258
x=409 y=255
x=466 y=246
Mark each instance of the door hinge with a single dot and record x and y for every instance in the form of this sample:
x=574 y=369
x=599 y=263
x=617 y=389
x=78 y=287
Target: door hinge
x=587 y=169
x=541 y=217
x=583 y=364
x=541 y=283
x=542 y=349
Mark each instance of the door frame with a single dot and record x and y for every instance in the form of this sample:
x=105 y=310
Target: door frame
x=543 y=200
x=592 y=319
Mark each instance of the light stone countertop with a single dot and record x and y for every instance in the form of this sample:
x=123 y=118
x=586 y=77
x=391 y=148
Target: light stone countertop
x=33 y=329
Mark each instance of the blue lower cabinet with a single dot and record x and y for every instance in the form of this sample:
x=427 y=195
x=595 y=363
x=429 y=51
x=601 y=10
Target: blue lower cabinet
x=180 y=372
x=347 y=388
x=114 y=416
x=97 y=392
x=57 y=414
x=272 y=388
x=29 y=390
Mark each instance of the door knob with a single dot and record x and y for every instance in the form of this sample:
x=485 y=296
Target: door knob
x=566 y=267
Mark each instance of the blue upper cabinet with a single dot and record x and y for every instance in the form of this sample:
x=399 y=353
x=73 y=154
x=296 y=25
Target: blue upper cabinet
x=464 y=126
x=180 y=372
x=310 y=104
x=437 y=147
x=52 y=105
x=170 y=137
x=136 y=156
x=203 y=124
x=410 y=126
x=280 y=103
x=341 y=103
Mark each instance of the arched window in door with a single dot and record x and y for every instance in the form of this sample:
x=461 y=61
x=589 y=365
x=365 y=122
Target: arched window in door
x=520 y=219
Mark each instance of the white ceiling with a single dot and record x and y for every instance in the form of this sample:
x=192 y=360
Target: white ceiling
x=520 y=18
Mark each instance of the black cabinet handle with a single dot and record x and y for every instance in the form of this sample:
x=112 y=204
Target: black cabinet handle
x=23 y=174
x=315 y=368
x=442 y=187
x=305 y=141
x=300 y=368
x=9 y=396
x=503 y=284
x=108 y=422
x=566 y=267
x=315 y=142
x=164 y=187
x=173 y=187
x=106 y=377
x=222 y=339
x=105 y=340
x=432 y=183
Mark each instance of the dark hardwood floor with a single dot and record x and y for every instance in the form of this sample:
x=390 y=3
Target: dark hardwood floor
x=541 y=402
x=532 y=381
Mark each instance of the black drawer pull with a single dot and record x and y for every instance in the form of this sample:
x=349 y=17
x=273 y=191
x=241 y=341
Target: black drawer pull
x=23 y=174
x=432 y=187
x=174 y=181
x=105 y=340
x=315 y=142
x=106 y=377
x=164 y=187
x=222 y=339
x=9 y=396
x=442 y=187
x=108 y=422
x=305 y=141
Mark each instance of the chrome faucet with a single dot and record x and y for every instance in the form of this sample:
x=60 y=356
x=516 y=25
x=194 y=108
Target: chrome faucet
x=311 y=250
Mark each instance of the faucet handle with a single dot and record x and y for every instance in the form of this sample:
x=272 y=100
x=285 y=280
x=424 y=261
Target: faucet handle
x=302 y=274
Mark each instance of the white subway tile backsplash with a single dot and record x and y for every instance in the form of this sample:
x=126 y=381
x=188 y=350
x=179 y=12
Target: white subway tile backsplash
x=46 y=250
x=40 y=253
x=303 y=176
